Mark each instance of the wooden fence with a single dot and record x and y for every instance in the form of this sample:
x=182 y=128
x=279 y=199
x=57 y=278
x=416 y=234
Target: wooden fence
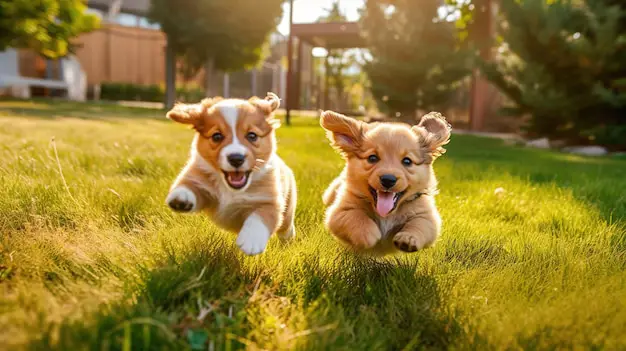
x=116 y=53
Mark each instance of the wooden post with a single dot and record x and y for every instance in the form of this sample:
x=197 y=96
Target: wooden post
x=170 y=77
x=289 y=90
x=298 y=77
x=327 y=81
x=482 y=34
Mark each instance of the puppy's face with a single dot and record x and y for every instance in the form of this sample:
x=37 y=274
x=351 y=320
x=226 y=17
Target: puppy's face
x=388 y=163
x=236 y=137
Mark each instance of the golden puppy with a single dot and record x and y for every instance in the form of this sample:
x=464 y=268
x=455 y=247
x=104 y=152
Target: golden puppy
x=234 y=173
x=385 y=194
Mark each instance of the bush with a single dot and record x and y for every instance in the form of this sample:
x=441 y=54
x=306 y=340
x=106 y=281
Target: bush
x=611 y=136
x=150 y=93
x=127 y=91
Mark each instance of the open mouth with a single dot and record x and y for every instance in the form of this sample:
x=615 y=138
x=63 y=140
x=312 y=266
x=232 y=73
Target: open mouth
x=237 y=180
x=385 y=201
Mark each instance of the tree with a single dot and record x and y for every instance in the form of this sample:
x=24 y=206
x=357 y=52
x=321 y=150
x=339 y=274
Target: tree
x=564 y=64
x=46 y=26
x=223 y=35
x=416 y=62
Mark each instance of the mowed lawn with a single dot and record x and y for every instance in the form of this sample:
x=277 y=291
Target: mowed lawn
x=91 y=258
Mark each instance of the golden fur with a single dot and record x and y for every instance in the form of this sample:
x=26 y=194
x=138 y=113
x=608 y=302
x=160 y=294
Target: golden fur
x=270 y=192
x=352 y=214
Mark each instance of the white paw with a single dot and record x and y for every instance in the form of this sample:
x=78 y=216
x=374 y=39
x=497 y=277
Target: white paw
x=181 y=199
x=253 y=236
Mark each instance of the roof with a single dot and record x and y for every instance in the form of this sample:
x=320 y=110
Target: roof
x=330 y=35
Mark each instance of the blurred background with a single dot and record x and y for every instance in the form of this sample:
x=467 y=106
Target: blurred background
x=546 y=69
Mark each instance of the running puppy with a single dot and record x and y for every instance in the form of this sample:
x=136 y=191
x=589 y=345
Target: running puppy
x=234 y=173
x=384 y=194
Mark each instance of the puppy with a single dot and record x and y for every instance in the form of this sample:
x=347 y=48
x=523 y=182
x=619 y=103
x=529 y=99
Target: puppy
x=383 y=199
x=234 y=173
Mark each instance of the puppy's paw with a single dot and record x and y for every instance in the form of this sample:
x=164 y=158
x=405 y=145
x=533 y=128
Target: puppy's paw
x=406 y=242
x=181 y=199
x=253 y=236
x=366 y=240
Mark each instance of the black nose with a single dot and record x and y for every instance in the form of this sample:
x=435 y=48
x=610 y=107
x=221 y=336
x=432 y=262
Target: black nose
x=236 y=160
x=388 y=180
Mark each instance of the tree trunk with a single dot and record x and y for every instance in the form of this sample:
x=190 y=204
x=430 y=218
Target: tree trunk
x=170 y=77
x=209 y=68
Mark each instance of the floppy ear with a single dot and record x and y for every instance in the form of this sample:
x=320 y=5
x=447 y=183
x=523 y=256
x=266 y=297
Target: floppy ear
x=192 y=114
x=345 y=133
x=268 y=105
x=434 y=132
x=274 y=101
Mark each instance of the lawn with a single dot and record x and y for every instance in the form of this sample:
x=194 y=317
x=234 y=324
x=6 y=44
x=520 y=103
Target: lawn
x=91 y=258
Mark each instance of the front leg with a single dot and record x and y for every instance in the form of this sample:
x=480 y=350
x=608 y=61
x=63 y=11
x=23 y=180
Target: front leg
x=419 y=232
x=353 y=227
x=257 y=229
x=185 y=195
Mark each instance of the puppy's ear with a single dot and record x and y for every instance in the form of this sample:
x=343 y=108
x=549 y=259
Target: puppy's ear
x=434 y=132
x=273 y=100
x=192 y=114
x=345 y=133
x=268 y=105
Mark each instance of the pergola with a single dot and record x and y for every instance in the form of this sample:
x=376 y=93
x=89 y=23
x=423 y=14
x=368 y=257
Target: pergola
x=344 y=35
x=329 y=35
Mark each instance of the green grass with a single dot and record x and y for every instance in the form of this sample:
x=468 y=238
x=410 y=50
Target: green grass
x=104 y=264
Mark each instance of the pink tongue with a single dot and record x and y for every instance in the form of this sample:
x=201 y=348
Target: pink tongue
x=384 y=205
x=236 y=178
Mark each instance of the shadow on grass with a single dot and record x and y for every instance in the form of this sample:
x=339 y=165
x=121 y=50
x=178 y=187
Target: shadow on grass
x=390 y=304
x=164 y=310
x=370 y=304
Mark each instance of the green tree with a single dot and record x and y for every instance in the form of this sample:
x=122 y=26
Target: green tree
x=46 y=26
x=416 y=62
x=217 y=34
x=564 y=64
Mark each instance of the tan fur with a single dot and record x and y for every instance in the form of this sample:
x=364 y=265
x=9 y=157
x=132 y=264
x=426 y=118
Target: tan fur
x=351 y=216
x=271 y=193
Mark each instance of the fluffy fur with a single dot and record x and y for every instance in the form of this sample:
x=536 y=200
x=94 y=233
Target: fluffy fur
x=234 y=174
x=383 y=200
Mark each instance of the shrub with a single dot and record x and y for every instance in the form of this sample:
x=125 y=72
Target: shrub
x=564 y=64
x=150 y=93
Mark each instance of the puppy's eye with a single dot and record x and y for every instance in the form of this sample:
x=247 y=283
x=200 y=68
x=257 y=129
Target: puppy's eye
x=252 y=137
x=217 y=137
x=373 y=159
x=407 y=161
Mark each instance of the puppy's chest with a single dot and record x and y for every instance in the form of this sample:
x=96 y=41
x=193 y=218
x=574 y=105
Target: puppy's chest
x=231 y=209
x=389 y=226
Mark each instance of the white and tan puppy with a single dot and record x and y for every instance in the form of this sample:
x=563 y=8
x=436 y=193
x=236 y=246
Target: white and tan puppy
x=234 y=174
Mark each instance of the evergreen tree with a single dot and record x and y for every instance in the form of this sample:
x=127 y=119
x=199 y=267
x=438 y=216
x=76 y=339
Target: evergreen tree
x=564 y=64
x=416 y=63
